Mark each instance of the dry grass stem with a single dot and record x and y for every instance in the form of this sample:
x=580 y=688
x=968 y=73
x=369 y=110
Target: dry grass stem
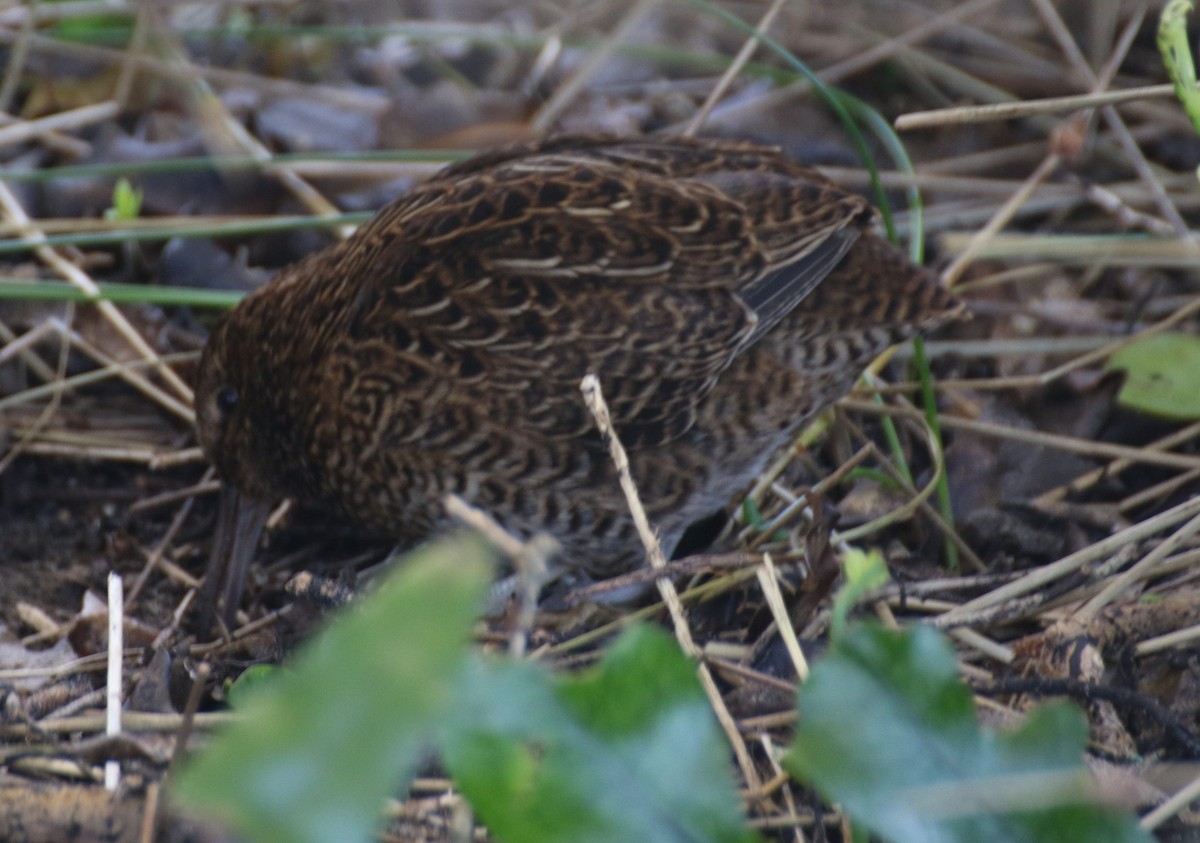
x=735 y=68
x=1177 y=639
x=1069 y=564
x=1025 y=108
x=1071 y=444
x=596 y=59
x=15 y=214
x=768 y=580
x=1139 y=571
x=980 y=240
x=594 y=398
x=530 y=558
x=1177 y=803
x=85 y=115
x=368 y=101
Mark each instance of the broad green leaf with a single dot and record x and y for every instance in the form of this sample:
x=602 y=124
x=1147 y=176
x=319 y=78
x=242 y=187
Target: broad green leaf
x=629 y=750
x=889 y=731
x=1162 y=375
x=342 y=728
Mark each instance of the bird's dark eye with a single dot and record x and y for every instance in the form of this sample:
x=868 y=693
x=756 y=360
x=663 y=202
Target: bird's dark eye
x=227 y=399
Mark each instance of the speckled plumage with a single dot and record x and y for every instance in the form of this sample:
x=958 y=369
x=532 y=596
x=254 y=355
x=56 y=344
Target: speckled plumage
x=721 y=292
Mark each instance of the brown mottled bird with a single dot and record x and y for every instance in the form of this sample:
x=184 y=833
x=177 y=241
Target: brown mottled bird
x=721 y=292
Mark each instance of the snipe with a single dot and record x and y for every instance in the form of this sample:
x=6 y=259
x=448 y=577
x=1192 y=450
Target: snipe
x=721 y=292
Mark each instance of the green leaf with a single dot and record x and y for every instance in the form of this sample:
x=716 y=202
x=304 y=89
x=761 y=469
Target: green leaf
x=342 y=729
x=752 y=515
x=889 y=731
x=865 y=570
x=1177 y=57
x=1162 y=375
x=127 y=202
x=23 y=290
x=626 y=751
x=113 y=29
x=253 y=681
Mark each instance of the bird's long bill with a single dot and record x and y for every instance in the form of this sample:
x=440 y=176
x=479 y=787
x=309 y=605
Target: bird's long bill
x=239 y=523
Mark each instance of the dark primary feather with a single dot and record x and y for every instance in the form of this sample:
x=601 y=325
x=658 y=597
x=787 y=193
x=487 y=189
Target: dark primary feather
x=721 y=292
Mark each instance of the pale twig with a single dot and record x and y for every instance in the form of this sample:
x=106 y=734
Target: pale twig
x=182 y=456
x=75 y=118
x=1183 y=313
x=1127 y=216
x=14 y=68
x=1116 y=123
x=1139 y=570
x=864 y=59
x=768 y=581
x=222 y=130
x=1176 y=803
x=116 y=637
x=977 y=641
x=1154 y=492
x=347 y=97
x=137 y=44
x=530 y=558
x=12 y=210
x=48 y=412
x=139 y=721
x=1070 y=444
x=88 y=452
x=597 y=58
x=150 y=813
x=595 y=400
x=735 y=67
x=1171 y=440
x=1069 y=564
x=1077 y=249
x=999 y=220
x=157 y=554
x=1174 y=638
x=592 y=395
x=1025 y=108
x=58 y=386
x=23 y=345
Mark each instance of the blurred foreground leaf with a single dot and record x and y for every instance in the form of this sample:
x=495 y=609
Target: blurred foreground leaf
x=888 y=730
x=628 y=750
x=322 y=748
x=1162 y=375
